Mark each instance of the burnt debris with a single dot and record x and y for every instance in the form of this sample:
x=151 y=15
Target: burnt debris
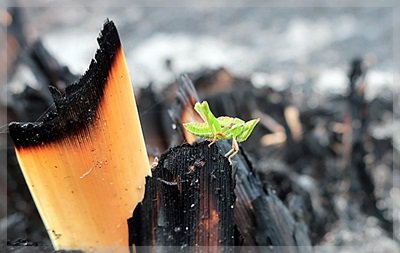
x=189 y=201
x=77 y=107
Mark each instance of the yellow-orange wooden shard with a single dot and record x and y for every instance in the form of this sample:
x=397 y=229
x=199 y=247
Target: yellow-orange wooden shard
x=86 y=164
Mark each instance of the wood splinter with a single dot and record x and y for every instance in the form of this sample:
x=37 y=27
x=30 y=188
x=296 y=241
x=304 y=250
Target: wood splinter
x=86 y=163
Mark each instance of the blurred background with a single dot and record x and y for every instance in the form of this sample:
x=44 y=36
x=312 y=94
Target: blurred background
x=283 y=43
x=305 y=51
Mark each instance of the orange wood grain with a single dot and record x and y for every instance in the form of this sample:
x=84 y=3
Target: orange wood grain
x=86 y=185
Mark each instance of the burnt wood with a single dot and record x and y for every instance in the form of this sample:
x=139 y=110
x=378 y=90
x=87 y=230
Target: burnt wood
x=189 y=201
x=261 y=217
x=77 y=107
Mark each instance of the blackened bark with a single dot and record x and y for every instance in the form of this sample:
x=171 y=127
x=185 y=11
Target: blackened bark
x=260 y=215
x=189 y=201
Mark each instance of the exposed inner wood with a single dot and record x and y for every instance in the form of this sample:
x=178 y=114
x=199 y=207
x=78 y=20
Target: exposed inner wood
x=87 y=180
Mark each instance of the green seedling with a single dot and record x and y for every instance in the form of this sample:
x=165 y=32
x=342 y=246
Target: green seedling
x=221 y=128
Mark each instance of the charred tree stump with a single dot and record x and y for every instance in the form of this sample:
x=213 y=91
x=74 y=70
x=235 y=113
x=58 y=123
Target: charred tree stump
x=189 y=201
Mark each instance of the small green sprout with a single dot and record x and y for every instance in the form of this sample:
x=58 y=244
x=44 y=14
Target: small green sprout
x=221 y=128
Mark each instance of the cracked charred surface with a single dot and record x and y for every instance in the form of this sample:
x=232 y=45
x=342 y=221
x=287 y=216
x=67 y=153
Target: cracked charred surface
x=189 y=201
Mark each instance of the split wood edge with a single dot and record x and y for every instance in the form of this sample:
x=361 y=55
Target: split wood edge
x=86 y=163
